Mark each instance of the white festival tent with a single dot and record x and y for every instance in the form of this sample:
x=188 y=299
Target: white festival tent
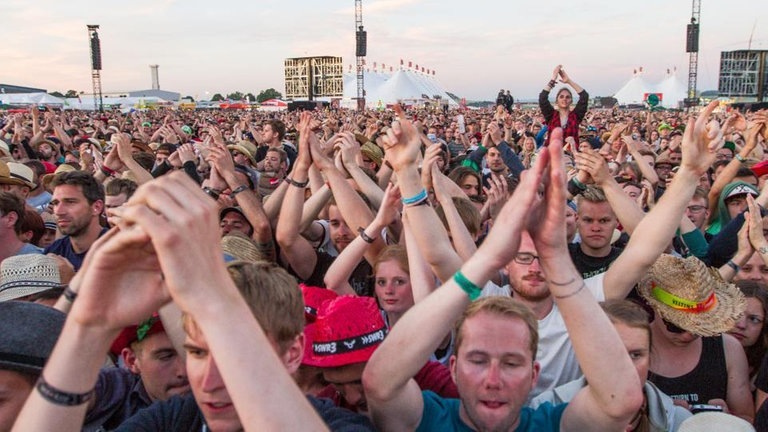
x=87 y=103
x=30 y=99
x=404 y=85
x=673 y=92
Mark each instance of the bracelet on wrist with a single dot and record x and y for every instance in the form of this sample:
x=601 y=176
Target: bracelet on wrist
x=466 y=285
x=61 y=397
x=241 y=188
x=740 y=158
x=211 y=192
x=69 y=294
x=293 y=182
x=422 y=195
x=366 y=238
x=733 y=265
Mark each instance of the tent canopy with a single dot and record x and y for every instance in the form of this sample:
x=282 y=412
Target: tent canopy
x=30 y=99
x=382 y=88
x=634 y=91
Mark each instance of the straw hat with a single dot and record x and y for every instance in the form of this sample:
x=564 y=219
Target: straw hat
x=48 y=178
x=693 y=297
x=239 y=246
x=715 y=422
x=246 y=148
x=23 y=275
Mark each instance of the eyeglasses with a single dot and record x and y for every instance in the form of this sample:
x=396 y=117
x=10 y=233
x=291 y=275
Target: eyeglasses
x=696 y=208
x=525 y=258
x=672 y=328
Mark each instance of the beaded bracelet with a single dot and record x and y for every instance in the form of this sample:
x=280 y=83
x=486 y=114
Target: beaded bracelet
x=466 y=285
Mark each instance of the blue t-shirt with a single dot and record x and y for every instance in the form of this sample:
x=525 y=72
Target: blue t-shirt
x=63 y=247
x=443 y=415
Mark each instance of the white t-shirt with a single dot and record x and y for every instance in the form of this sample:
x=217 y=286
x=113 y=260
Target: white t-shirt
x=555 y=354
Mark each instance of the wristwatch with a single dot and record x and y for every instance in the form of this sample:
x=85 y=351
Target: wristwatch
x=762 y=250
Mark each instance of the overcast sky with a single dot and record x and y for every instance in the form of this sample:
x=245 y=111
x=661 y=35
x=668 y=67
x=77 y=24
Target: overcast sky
x=475 y=47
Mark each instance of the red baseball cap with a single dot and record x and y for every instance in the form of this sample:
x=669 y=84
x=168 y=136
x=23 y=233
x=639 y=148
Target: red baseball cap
x=136 y=333
x=347 y=331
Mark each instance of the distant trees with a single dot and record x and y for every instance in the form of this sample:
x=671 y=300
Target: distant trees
x=268 y=94
x=217 y=97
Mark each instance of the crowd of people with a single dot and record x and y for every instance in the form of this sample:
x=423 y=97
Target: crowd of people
x=530 y=269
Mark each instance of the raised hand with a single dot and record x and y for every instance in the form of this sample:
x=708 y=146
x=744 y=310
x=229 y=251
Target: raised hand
x=403 y=142
x=701 y=142
x=546 y=221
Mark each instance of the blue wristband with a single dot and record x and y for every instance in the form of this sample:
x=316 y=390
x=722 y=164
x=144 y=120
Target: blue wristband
x=415 y=199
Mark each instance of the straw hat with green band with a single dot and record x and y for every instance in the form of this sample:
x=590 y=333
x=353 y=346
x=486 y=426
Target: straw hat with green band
x=692 y=296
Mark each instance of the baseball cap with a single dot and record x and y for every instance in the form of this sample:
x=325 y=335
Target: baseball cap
x=136 y=333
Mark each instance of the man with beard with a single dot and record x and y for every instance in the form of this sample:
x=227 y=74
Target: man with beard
x=46 y=151
x=78 y=201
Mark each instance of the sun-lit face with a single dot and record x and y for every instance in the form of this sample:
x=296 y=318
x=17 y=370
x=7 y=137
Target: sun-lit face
x=341 y=235
x=750 y=326
x=494 y=371
x=470 y=185
x=208 y=386
x=162 y=370
x=596 y=222
x=393 y=287
x=637 y=341
x=527 y=280
x=72 y=211
x=754 y=270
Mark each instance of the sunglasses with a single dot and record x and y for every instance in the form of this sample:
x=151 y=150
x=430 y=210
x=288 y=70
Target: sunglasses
x=672 y=328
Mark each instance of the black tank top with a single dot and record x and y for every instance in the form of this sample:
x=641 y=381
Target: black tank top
x=708 y=380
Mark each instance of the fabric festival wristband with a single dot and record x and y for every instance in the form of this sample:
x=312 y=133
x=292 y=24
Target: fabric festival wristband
x=415 y=199
x=682 y=304
x=472 y=290
x=297 y=184
x=59 y=397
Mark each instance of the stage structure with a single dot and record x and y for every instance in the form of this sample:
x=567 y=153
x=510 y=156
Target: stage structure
x=744 y=74
x=93 y=37
x=692 y=48
x=310 y=77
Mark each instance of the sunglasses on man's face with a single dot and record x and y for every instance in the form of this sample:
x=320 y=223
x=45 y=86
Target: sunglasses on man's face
x=672 y=328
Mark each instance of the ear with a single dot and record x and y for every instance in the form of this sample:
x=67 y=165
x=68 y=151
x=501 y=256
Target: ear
x=452 y=367
x=98 y=207
x=130 y=360
x=294 y=354
x=535 y=374
x=11 y=218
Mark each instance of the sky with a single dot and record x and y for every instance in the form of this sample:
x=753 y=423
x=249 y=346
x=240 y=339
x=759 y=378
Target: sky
x=475 y=48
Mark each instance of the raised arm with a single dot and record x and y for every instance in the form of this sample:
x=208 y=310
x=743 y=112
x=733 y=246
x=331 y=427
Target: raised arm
x=393 y=396
x=700 y=144
x=626 y=209
x=297 y=250
x=246 y=198
x=184 y=234
x=353 y=209
x=337 y=276
x=614 y=393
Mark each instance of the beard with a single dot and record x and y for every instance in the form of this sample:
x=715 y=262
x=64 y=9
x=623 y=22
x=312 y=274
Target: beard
x=76 y=228
x=535 y=294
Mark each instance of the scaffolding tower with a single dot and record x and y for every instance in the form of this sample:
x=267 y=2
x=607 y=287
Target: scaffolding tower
x=360 y=51
x=744 y=74
x=692 y=47
x=95 y=44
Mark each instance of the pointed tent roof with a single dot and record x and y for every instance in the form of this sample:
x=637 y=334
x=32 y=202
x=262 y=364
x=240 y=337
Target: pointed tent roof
x=634 y=90
x=673 y=91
